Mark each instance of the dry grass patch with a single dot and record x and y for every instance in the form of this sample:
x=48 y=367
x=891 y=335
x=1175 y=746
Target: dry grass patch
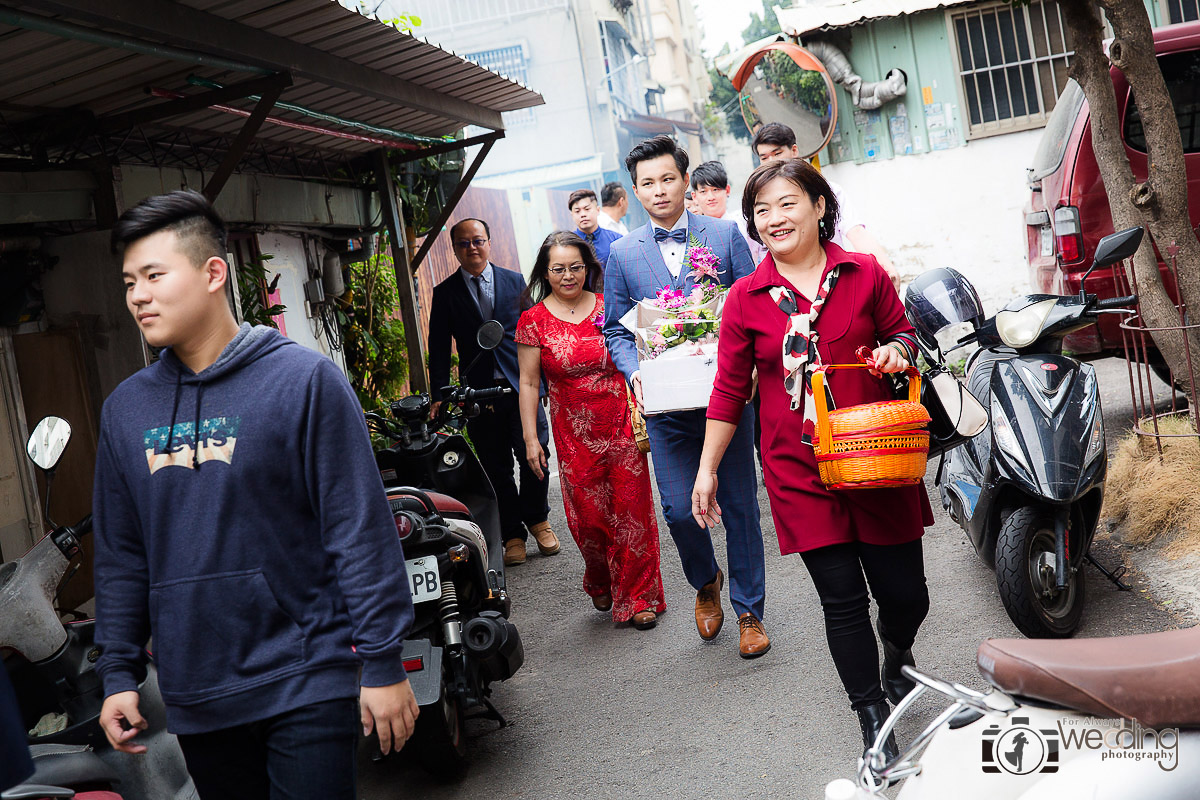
x=1152 y=501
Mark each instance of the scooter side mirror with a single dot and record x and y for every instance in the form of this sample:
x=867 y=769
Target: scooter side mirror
x=489 y=335
x=1116 y=247
x=48 y=441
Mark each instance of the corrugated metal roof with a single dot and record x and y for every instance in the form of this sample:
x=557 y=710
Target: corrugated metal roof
x=804 y=19
x=343 y=65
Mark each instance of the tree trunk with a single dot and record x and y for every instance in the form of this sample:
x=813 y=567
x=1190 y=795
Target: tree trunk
x=1160 y=203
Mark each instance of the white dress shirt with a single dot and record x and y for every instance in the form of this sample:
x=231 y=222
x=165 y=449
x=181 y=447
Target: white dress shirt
x=757 y=251
x=847 y=219
x=673 y=252
x=608 y=223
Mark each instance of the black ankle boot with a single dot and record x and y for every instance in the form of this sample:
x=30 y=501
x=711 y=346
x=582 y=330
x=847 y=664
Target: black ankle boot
x=871 y=719
x=895 y=685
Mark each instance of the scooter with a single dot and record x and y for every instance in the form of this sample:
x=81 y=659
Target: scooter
x=1027 y=491
x=1094 y=719
x=449 y=522
x=52 y=670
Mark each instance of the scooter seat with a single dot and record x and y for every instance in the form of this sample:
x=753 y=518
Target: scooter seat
x=1151 y=677
x=62 y=766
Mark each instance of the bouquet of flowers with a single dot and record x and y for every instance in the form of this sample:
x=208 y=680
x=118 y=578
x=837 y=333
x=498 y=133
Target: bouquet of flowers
x=672 y=318
x=677 y=336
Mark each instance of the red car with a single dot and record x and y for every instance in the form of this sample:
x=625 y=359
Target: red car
x=1068 y=212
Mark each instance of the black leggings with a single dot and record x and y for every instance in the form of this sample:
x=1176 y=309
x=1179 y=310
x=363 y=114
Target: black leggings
x=896 y=576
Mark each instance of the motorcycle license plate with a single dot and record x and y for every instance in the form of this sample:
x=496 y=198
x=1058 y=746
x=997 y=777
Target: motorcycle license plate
x=423 y=579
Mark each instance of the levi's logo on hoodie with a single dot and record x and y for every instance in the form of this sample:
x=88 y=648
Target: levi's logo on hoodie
x=181 y=447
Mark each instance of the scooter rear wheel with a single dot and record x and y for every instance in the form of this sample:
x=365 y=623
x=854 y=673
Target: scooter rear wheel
x=439 y=738
x=1025 y=577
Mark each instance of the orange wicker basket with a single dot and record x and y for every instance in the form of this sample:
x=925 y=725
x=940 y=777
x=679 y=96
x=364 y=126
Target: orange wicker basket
x=874 y=445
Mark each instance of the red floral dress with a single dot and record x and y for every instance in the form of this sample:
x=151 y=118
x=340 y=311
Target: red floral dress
x=605 y=480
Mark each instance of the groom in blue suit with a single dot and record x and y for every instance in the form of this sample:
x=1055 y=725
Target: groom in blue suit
x=640 y=264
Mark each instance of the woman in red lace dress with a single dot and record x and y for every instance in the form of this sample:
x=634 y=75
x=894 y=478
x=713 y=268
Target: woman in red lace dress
x=605 y=480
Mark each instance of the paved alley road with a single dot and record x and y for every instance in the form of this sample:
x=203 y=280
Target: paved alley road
x=600 y=711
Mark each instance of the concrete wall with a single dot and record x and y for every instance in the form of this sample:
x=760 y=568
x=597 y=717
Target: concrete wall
x=959 y=208
x=289 y=263
x=562 y=129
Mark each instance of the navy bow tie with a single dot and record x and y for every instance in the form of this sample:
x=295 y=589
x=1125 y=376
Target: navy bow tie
x=679 y=235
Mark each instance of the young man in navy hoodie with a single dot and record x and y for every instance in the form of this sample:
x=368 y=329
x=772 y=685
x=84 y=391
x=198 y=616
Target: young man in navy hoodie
x=240 y=521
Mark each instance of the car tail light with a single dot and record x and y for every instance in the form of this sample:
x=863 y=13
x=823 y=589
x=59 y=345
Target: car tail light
x=1068 y=236
x=404 y=525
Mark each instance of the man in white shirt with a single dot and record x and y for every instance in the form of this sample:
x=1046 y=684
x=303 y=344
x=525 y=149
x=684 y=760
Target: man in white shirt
x=614 y=202
x=775 y=142
x=710 y=188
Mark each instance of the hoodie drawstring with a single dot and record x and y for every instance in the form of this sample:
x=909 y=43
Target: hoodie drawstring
x=174 y=410
x=196 y=425
x=196 y=428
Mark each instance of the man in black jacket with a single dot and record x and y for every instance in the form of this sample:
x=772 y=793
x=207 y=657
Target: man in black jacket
x=477 y=292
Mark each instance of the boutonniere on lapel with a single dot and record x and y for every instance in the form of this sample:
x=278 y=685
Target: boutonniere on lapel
x=677 y=336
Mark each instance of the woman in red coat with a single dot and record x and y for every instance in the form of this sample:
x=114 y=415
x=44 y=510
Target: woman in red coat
x=811 y=303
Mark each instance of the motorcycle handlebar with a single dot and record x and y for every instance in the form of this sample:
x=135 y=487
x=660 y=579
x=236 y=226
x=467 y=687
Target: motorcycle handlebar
x=488 y=394
x=1116 y=302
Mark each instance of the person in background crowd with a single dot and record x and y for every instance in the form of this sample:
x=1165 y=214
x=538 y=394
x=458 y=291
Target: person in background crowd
x=776 y=141
x=614 y=206
x=479 y=291
x=710 y=187
x=689 y=202
x=240 y=523
x=808 y=304
x=585 y=211
x=605 y=479
x=648 y=259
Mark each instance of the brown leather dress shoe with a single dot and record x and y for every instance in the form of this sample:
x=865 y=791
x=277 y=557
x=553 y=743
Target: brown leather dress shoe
x=644 y=620
x=754 y=641
x=603 y=602
x=547 y=542
x=514 y=552
x=709 y=615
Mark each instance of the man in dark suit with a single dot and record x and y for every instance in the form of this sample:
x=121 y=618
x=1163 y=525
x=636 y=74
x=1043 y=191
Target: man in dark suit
x=477 y=292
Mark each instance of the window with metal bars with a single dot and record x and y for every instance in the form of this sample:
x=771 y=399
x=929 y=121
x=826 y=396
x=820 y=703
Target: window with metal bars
x=509 y=62
x=1182 y=10
x=1013 y=64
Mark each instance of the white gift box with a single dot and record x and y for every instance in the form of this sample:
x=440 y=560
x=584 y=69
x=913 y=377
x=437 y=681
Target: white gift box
x=680 y=379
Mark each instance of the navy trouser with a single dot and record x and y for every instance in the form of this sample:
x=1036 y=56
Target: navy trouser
x=497 y=436
x=676 y=440
x=305 y=754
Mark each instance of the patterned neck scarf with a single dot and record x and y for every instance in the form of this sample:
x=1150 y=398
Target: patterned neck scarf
x=800 y=354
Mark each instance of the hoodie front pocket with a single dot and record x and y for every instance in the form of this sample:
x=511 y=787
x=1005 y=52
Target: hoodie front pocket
x=220 y=634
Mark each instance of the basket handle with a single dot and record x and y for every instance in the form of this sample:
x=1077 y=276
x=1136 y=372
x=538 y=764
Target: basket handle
x=914 y=380
x=824 y=431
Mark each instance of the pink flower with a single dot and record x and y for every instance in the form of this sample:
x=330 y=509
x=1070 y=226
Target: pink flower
x=702 y=262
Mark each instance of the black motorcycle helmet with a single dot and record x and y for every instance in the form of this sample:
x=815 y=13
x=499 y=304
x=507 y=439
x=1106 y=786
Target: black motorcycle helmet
x=937 y=299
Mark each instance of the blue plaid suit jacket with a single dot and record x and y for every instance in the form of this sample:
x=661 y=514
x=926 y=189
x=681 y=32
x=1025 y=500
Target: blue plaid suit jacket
x=636 y=270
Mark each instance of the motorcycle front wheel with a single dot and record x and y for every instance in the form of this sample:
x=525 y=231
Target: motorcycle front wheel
x=439 y=738
x=1025 y=577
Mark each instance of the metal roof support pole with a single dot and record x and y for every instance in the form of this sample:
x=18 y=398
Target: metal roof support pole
x=406 y=291
x=240 y=144
x=452 y=201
